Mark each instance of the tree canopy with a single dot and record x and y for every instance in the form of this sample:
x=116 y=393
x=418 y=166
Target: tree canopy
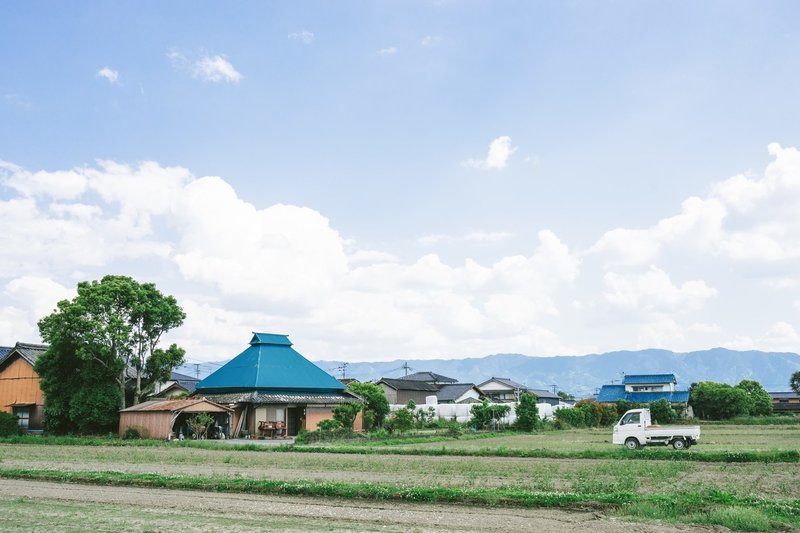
x=105 y=337
x=794 y=382
x=760 y=403
x=376 y=405
x=527 y=412
x=718 y=401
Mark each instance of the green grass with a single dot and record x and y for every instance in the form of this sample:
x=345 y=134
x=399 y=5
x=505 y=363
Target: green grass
x=713 y=506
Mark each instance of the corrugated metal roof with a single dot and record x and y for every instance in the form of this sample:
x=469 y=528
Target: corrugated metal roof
x=431 y=377
x=266 y=398
x=190 y=404
x=270 y=338
x=647 y=379
x=270 y=366
x=784 y=395
x=611 y=393
x=403 y=384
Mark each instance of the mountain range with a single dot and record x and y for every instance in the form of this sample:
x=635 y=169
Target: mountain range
x=580 y=375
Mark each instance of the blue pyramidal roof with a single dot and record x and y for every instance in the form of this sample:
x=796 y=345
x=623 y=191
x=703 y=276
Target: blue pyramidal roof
x=269 y=364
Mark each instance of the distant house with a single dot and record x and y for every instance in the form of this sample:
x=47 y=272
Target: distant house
x=505 y=390
x=177 y=385
x=270 y=385
x=644 y=388
x=459 y=393
x=400 y=391
x=430 y=377
x=785 y=402
x=20 y=393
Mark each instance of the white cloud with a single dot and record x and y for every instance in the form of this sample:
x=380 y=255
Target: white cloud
x=217 y=69
x=430 y=40
x=500 y=150
x=390 y=51
x=304 y=36
x=480 y=237
x=238 y=266
x=109 y=74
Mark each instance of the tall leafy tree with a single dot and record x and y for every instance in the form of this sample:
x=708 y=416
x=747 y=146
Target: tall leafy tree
x=110 y=330
x=760 y=403
x=376 y=406
x=794 y=382
x=527 y=412
x=718 y=401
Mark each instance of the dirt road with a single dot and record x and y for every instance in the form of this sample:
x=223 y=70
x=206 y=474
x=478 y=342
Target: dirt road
x=96 y=507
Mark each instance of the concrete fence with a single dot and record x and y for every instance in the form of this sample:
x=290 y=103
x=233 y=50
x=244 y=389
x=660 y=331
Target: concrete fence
x=461 y=412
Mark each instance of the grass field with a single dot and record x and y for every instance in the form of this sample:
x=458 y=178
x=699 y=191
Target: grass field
x=744 y=496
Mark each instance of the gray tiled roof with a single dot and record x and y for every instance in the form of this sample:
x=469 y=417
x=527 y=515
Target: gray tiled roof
x=403 y=384
x=430 y=377
x=453 y=391
x=508 y=382
x=29 y=352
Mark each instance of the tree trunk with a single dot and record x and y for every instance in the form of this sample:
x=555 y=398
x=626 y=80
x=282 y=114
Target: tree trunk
x=122 y=389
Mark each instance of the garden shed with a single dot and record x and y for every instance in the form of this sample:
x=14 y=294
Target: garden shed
x=159 y=419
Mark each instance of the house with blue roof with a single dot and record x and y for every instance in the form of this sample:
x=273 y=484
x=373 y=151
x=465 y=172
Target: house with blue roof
x=645 y=388
x=270 y=385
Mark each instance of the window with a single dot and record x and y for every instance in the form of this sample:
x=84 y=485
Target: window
x=23 y=414
x=631 y=418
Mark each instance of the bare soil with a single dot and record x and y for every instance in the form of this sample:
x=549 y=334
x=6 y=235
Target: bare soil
x=299 y=513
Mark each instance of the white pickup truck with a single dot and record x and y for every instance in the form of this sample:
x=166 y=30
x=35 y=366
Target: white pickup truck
x=634 y=429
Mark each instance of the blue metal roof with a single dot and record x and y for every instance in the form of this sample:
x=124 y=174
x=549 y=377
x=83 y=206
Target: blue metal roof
x=269 y=364
x=644 y=379
x=613 y=393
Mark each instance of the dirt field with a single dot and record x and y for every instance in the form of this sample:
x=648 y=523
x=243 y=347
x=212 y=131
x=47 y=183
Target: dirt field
x=34 y=506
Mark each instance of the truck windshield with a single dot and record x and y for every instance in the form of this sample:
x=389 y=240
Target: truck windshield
x=631 y=418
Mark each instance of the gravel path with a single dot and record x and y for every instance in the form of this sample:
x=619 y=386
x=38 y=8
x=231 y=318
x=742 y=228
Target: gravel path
x=359 y=514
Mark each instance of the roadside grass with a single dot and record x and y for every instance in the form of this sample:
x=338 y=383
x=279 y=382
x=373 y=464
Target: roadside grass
x=765 y=446
x=542 y=474
x=26 y=514
x=711 y=506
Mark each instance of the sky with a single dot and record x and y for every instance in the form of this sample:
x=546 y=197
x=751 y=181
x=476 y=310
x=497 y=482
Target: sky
x=409 y=179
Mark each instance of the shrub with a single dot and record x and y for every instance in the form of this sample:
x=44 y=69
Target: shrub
x=624 y=406
x=485 y=415
x=131 y=433
x=376 y=407
x=570 y=417
x=401 y=421
x=454 y=429
x=9 y=425
x=425 y=417
x=345 y=414
x=329 y=425
x=718 y=401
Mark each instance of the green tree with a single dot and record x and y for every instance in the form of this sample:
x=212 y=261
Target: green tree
x=661 y=411
x=718 y=401
x=376 y=405
x=199 y=424
x=794 y=382
x=760 y=402
x=565 y=395
x=527 y=412
x=117 y=323
x=345 y=414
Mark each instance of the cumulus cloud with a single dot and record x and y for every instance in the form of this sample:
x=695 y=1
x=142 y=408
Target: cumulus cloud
x=500 y=150
x=430 y=40
x=304 y=36
x=214 y=68
x=217 y=69
x=112 y=76
x=390 y=51
x=238 y=266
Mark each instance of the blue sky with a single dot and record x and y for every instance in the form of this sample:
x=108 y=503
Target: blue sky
x=357 y=138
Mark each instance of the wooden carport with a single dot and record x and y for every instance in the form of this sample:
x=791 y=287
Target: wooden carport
x=156 y=418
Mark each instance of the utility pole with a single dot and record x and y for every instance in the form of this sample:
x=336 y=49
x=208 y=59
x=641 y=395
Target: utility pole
x=554 y=388
x=197 y=370
x=406 y=367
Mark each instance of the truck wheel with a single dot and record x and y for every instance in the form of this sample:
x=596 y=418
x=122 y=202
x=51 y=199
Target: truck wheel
x=679 y=444
x=631 y=443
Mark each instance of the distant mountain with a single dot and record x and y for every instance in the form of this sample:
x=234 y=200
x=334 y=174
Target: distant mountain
x=583 y=375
